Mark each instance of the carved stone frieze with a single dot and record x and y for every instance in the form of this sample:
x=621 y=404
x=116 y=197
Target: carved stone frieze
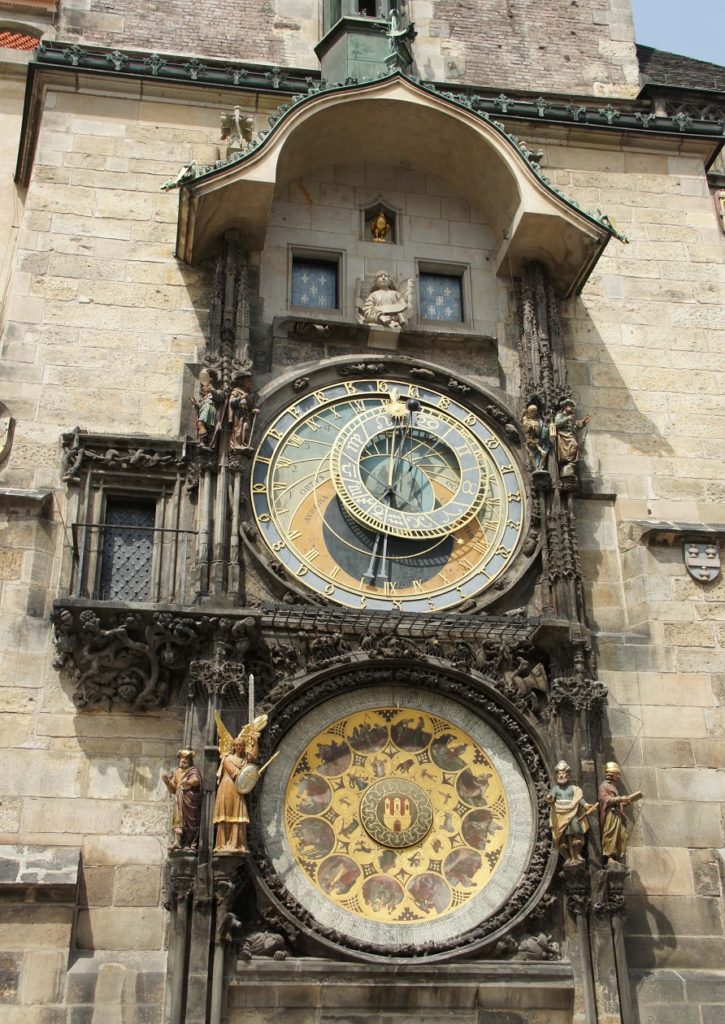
x=608 y=895
x=128 y=657
x=179 y=879
x=501 y=652
x=83 y=451
x=227 y=354
x=581 y=693
x=527 y=946
x=575 y=884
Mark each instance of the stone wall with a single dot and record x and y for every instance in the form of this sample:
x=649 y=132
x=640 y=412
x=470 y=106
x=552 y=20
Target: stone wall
x=101 y=318
x=556 y=47
x=100 y=324
x=254 y=30
x=645 y=344
x=11 y=198
x=325 y=213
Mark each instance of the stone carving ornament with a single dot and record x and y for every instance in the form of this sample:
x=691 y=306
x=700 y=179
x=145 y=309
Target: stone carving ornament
x=237 y=756
x=237 y=130
x=133 y=658
x=208 y=405
x=568 y=437
x=185 y=786
x=612 y=819
x=568 y=816
x=381 y=303
x=380 y=227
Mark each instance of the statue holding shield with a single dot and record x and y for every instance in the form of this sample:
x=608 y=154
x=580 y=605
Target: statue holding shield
x=238 y=755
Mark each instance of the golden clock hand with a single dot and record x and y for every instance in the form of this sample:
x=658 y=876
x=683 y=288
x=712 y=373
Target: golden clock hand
x=412 y=405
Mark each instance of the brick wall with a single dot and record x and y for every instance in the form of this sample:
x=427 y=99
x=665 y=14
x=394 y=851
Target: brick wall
x=554 y=46
x=244 y=30
x=557 y=46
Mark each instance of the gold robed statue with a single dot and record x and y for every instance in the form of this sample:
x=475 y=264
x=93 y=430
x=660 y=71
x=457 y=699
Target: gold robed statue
x=612 y=819
x=568 y=816
x=237 y=775
x=380 y=228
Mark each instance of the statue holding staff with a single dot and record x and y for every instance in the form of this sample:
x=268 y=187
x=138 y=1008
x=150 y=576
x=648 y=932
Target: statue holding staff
x=568 y=816
x=185 y=786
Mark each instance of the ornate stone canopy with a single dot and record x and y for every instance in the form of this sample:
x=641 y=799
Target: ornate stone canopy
x=397 y=121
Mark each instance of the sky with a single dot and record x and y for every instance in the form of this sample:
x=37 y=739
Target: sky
x=693 y=28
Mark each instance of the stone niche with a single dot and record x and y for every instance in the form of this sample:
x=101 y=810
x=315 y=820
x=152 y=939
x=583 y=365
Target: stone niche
x=434 y=230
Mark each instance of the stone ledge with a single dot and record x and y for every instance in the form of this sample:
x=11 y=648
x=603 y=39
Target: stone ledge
x=47 y=874
x=365 y=987
x=666 y=532
x=31 y=502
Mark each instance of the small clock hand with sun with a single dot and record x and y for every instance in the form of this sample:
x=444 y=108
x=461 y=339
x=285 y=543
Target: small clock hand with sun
x=390 y=494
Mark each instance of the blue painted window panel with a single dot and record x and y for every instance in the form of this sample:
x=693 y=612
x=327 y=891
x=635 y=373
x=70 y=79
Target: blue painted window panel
x=314 y=283
x=441 y=297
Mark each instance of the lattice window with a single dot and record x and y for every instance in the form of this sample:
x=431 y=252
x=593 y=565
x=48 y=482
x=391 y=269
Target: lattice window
x=127 y=550
x=697 y=111
x=441 y=297
x=314 y=283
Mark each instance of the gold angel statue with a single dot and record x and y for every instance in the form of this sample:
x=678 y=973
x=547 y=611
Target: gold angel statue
x=237 y=775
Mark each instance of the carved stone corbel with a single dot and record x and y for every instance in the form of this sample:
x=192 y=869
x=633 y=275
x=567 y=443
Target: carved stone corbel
x=179 y=880
x=128 y=657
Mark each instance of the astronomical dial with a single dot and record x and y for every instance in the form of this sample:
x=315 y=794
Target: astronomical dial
x=383 y=494
x=397 y=817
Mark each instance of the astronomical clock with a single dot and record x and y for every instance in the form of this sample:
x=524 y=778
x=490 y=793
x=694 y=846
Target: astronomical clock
x=398 y=821
x=400 y=815
x=387 y=493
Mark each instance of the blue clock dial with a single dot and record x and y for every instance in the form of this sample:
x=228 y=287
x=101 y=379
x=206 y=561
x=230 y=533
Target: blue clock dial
x=384 y=494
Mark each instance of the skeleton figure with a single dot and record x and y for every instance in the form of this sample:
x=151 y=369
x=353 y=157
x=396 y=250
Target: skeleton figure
x=236 y=129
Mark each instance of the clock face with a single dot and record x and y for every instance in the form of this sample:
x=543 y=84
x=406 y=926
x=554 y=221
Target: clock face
x=383 y=494
x=405 y=817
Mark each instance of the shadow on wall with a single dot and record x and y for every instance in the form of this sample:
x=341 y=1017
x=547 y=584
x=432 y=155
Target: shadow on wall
x=654 y=934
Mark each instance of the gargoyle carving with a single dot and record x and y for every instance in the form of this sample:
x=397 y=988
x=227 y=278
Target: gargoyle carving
x=237 y=129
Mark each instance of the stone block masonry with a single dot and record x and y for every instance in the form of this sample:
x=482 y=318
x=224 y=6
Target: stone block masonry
x=527 y=45
x=245 y=30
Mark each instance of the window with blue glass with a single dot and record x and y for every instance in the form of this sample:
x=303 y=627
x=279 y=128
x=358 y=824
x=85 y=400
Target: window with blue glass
x=441 y=297
x=314 y=283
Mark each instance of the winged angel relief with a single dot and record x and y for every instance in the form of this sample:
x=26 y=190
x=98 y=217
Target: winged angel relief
x=237 y=776
x=380 y=303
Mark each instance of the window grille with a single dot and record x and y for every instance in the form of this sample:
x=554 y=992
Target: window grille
x=127 y=550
